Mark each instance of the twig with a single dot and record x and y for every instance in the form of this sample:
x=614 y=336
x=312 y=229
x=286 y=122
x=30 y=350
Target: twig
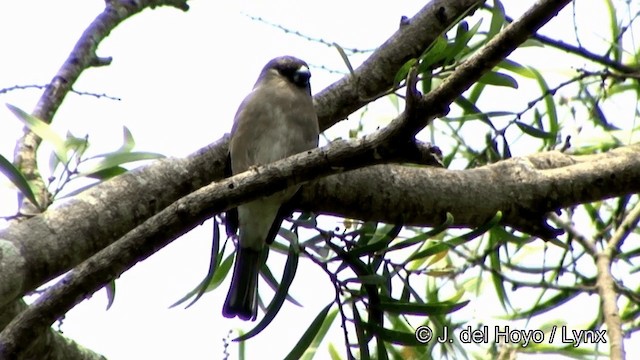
x=607 y=284
x=305 y=37
x=336 y=285
x=40 y=87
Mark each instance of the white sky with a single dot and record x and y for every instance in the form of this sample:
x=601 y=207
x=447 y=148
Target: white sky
x=181 y=77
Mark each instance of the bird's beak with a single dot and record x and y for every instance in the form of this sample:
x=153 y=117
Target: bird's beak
x=301 y=77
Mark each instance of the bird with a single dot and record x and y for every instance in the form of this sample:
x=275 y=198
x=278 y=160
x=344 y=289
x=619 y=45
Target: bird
x=276 y=120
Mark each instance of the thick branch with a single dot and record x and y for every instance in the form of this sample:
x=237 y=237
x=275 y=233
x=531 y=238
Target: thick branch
x=524 y=189
x=517 y=186
x=52 y=345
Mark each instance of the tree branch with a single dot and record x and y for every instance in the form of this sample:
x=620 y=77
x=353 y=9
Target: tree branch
x=525 y=189
x=607 y=285
x=52 y=345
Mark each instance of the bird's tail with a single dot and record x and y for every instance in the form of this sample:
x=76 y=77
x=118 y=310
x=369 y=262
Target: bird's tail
x=242 y=298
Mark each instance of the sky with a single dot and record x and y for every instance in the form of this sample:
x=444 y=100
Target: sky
x=179 y=77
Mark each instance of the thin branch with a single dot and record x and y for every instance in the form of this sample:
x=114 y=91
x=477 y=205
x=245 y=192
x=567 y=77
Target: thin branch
x=306 y=37
x=607 y=287
x=629 y=224
x=336 y=285
x=609 y=305
x=376 y=75
x=579 y=51
x=42 y=87
x=588 y=245
x=482 y=61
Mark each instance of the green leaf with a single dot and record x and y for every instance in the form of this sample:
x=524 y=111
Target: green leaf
x=373 y=279
x=494 y=261
x=278 y=299
x=214 y=261
x=43 y=130
x=434 y=54
x=561 y=298
x=549 y=103
x=308 y=343
x=480 y=116
x=393 y=336
x=333 y=352
x=107 y=173
x=379 y=241
x=403 y=72
x=497 y=19
x=399 y=307
x=128 y=143
x=424 y=236
x=15 y=176
x=514 y=67
x=532 y=131
x=363 y=341
x=498 y=79
x=111 y=293
x=268 y=277
x=615 y=31
x=219 y=275
x=381 y=350
x=118 y=158
x=367 y=230
x=470 y=107
x=344 y=57
x=76 y=144
x=446 y=245
x=463 y=36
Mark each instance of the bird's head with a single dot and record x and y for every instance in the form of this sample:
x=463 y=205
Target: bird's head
x=292 y=69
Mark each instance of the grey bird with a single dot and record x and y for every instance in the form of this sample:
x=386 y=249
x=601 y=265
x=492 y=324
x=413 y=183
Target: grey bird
x=276 y=120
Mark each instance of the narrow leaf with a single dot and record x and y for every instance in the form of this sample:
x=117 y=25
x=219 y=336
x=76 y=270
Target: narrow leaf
x=399 y=307
x=278 y=299
x=15 y=176
x=128 y=143
x=119 y=158
x=344 y=57
x=424 y=236
x=532 y=131
x=393 y=336
x=445 y=245
x=498 y=79
x=302 y=349
x=111 y=293
x=43 y=130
